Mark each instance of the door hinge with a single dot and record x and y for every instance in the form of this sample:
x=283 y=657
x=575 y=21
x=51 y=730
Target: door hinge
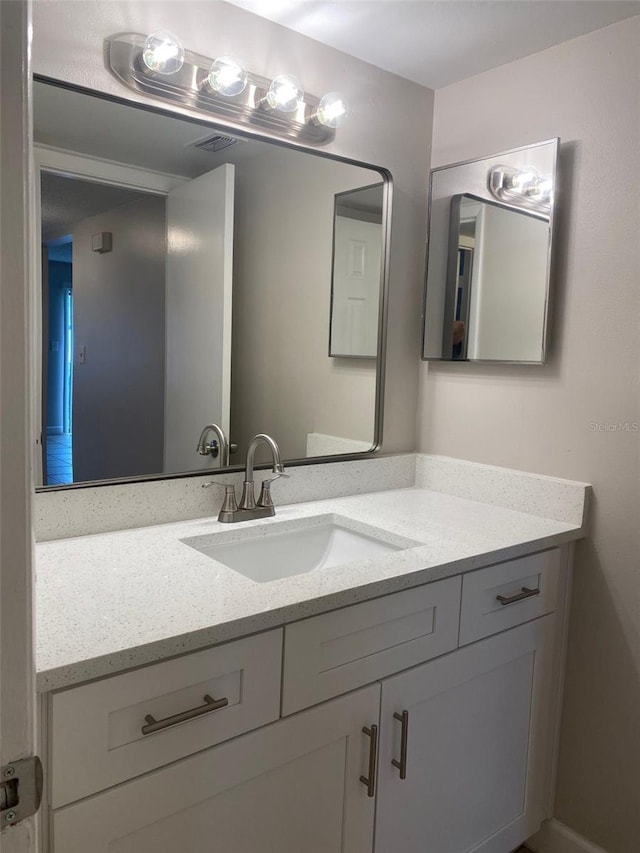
x=20 y=790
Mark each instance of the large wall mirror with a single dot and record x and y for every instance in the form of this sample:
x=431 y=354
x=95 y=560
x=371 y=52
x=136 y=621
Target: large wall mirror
x=187 y=279
x=488 y=261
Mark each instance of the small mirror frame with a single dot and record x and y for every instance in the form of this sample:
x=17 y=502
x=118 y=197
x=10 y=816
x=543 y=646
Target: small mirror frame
x=492 y=160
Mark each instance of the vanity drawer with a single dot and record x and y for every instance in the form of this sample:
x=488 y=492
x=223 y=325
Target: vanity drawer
x=331 y=654
x=96 y=730
x=502 y=596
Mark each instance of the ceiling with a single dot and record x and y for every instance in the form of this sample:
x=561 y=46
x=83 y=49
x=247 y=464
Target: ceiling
x=438 y=42
x=68 y=200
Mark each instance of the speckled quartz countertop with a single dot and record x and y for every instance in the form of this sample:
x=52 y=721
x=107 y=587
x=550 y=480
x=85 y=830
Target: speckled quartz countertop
x=112 y=601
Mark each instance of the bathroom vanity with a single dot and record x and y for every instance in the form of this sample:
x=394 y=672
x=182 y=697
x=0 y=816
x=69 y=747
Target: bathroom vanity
x=216 y=686
x=407 y=701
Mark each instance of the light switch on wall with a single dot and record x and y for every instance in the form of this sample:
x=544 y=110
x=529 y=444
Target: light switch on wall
x=82 y=354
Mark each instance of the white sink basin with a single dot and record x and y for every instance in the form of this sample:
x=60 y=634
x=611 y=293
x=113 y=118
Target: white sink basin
x=274 y=551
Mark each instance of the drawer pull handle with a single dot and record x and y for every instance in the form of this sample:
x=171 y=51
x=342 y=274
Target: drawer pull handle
x=519 y=596
x=370 y=781
x=404 y=737
x=210 y=704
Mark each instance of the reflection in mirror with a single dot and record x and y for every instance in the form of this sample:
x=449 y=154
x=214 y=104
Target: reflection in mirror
x=489 y=252
x=186 y=280
x=498 y=267
x=357 y=272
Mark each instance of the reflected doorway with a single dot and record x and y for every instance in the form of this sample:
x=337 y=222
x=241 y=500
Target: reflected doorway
x=58 y=256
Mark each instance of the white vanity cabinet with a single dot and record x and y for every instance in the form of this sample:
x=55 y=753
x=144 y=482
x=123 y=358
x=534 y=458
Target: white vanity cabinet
x=466 y=668
x=476 y=733
x=291 y=787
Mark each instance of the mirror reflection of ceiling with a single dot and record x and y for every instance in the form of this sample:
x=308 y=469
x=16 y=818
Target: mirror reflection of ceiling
x=65 y=202
x=368 y=199
x=102 y=129
x=438 y=42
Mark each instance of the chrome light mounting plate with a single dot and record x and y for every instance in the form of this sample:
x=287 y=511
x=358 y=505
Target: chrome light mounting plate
x=189 y=88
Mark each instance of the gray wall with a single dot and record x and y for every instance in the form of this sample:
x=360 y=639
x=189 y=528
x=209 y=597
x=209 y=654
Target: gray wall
x=389 y=125
x=118 y=393
x=553 y=419
x=283 y=381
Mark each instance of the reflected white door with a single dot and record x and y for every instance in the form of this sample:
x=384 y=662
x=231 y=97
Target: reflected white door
x=356 y=287
x=198 y=311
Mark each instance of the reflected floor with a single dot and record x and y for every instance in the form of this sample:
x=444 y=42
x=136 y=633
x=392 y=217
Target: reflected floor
x=59 y=459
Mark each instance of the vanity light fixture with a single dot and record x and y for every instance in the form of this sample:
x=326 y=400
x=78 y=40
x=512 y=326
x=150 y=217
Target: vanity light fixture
x=227 y=77
x=158 y=66
x=163 y=53
x=521 y=187
x=285 y=93
x=332 y=110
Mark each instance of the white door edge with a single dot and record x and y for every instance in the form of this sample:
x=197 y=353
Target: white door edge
x=17 y=672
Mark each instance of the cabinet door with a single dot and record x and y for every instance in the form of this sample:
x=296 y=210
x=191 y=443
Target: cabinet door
x=478 y=749
x=289 y=787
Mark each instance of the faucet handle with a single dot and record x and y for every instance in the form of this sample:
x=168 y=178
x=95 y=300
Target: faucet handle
x=229 y=503
x=208 y=448
x=265 y=498
x=278 y=472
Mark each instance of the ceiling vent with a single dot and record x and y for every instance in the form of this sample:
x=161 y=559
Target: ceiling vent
x=215 y=143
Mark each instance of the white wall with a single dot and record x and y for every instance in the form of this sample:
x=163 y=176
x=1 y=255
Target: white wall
x=389 y=125
x=118 y=307
x=547 y=419
x=283 y=380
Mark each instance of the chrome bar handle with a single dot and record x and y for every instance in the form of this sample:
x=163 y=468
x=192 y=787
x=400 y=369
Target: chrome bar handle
x=404 y=739
x=519 y=596
x=210 y=704
x=370 y=780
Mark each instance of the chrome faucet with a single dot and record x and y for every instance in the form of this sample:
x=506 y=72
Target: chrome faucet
x=211 y=448
x=248 y=499
x=249 y=508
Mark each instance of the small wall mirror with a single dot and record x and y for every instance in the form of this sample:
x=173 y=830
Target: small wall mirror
x=186 y=279
x=489 y=250
x=356 y=272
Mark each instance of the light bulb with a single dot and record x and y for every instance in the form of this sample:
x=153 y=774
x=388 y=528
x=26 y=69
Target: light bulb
x=525 y=180
x=332 y=110
x=285 y=93
x=163 y=53
x=227 y=77
x=543 y=189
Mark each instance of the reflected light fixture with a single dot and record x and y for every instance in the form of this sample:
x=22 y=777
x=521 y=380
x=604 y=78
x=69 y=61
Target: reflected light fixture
x=163 y=53
x=158 y=66
x=227 y=77
x=521 y=187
